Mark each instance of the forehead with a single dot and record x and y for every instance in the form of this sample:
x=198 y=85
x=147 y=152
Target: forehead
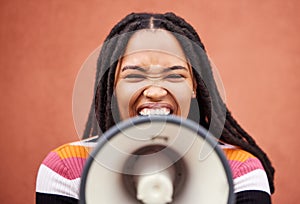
x=158 y=40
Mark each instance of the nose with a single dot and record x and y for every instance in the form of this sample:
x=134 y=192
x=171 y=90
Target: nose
x=155 y=92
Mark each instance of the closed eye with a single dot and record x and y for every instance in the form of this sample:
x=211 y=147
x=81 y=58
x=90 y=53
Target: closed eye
x=174 y=77
x=132 y=76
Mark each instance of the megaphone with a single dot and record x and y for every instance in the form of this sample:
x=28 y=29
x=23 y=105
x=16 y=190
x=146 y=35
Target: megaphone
x=156 y=160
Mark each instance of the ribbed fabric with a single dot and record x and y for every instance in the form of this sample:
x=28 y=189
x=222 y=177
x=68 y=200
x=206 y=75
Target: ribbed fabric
x=247 y=170
x=241 y=162
x=253 y=197
x=59 y=174
x=43 y=198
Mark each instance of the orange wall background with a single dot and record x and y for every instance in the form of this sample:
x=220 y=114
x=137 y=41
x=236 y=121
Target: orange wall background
x=255 y=45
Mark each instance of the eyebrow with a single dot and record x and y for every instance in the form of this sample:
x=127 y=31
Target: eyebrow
x=134 y=67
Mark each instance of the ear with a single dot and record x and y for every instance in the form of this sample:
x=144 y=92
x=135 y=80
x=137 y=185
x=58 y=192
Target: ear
x=194 y=94
x=117 y=72
x=194 y=81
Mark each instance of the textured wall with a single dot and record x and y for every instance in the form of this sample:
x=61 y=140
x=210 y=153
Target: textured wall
x=254 y=44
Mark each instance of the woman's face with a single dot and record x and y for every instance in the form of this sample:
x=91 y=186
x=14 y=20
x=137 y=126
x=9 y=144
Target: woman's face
x=153 y=77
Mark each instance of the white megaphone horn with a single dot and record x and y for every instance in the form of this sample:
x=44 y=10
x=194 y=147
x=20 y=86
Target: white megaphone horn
x=156 y=160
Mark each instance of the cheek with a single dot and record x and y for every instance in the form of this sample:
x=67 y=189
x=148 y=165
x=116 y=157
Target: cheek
x=183 y=95
x=184 y=100
x=121 y=94
x=125 y=93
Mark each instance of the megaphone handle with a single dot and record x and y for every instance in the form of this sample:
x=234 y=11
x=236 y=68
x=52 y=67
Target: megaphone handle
x=155 y=189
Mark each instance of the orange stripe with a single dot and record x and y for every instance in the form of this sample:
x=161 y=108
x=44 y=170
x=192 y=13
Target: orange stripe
x=237 y=154
x=69 y=151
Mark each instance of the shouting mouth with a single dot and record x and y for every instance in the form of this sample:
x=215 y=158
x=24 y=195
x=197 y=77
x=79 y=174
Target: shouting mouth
x=155 y=109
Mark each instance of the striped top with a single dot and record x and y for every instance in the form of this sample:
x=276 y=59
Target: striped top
x=59 y=174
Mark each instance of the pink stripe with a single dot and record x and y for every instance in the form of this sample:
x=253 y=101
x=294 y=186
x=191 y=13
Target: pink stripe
x=51 y=160
x=76 y=165
x=70 y=168
x=241 y=168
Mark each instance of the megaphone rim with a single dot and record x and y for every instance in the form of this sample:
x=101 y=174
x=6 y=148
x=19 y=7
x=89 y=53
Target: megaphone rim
x=113 y=131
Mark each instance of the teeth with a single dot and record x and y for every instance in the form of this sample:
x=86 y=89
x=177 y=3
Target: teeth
x=159 y=111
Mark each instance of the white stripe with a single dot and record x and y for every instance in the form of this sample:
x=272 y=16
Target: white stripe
x=227 y=146
x=85 y=143
x=50 y=182
x=254 y=180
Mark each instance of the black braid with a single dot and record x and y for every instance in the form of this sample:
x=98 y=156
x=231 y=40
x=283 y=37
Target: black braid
x=213 y=111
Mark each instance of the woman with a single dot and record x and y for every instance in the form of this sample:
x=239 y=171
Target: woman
x=156 y=64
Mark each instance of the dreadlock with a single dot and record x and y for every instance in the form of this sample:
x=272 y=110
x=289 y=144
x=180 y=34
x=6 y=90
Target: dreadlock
x=214 y=113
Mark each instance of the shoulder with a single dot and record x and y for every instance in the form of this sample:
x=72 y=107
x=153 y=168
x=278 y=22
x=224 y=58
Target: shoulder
x=60 y=171
x=69 y=158
x=247 y=171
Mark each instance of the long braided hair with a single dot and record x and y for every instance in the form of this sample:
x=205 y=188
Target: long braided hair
x=209 y=102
